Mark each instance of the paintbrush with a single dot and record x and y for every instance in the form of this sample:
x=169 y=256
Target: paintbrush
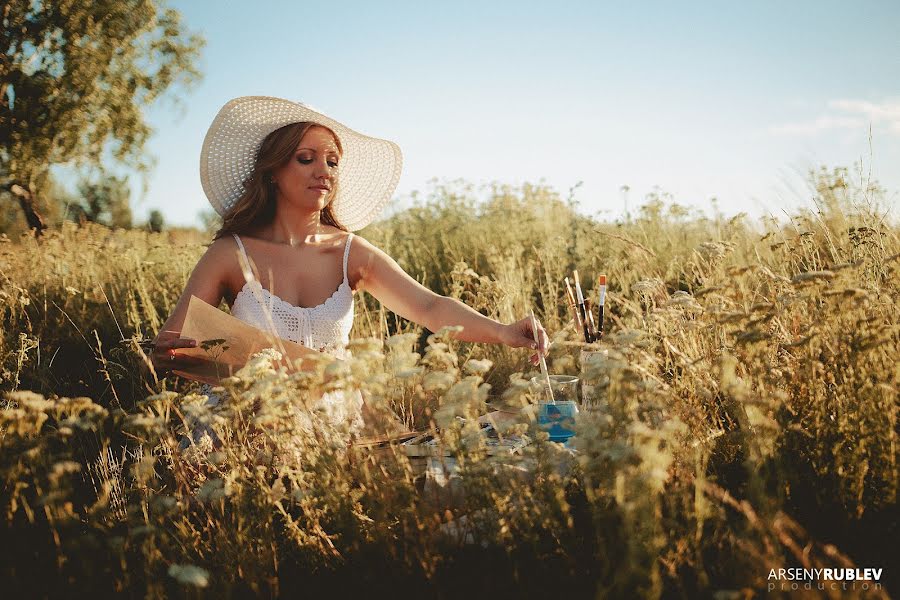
x=588 y=336
x=571 y=296
x=588 y=309
x=534 y=333
x=601 y=283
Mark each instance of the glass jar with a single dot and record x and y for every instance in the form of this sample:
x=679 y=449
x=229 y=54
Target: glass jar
x=593 y=389
x=556 y=416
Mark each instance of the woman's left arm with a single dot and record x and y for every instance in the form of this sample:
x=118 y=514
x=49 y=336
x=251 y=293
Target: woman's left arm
x=381 y=276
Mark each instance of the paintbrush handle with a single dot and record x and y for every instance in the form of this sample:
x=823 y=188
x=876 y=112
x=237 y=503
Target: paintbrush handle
x=584 y=323
x=534 y=334
x=600 y=328
x=577 y=315
x=592 y=327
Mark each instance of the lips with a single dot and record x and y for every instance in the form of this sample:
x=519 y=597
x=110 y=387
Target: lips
x=320 y=187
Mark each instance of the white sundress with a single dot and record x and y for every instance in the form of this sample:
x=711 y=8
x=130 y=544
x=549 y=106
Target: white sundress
x=325 y=327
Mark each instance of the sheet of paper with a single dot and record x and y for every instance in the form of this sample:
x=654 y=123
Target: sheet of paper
x=225 y=344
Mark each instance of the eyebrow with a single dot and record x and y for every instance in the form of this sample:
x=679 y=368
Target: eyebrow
x=313 y=150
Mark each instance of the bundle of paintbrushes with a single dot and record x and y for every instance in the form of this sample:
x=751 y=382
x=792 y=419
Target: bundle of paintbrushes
x=583 y=309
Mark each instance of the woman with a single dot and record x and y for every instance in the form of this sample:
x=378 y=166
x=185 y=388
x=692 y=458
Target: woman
x=291 y=185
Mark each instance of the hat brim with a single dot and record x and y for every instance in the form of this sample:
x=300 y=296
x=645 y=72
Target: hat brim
x=369 y=167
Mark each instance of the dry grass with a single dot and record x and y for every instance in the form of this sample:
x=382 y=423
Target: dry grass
x=752 y=423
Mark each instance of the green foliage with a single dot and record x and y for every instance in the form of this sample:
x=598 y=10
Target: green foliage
x=156 y=221
x=105 y=202
x=210 y=221
x=75 y=79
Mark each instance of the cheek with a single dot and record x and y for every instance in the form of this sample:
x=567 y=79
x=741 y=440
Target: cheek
x=292 y=176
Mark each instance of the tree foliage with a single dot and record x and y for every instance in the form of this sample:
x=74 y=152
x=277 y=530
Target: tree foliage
x=103 y=201
x=156 y=222
x=75 y=78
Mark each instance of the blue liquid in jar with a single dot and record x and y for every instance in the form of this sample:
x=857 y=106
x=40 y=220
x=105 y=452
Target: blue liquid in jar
x=558 y=419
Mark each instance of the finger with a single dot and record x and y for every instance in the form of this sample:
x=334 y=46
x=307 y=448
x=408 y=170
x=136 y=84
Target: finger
x=164 y=345
x=545 y=341
x=160 y=355
x=185 y=360
x=542 y=340
x=533 y=331
x=163 y=359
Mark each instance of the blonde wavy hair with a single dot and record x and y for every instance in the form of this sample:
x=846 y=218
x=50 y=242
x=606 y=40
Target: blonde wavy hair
x=256 y=206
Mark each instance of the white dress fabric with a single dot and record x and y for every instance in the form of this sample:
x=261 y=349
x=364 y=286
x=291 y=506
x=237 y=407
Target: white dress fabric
x=325 y=327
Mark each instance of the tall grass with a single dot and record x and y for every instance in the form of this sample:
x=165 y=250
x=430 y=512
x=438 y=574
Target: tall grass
x=751 y=385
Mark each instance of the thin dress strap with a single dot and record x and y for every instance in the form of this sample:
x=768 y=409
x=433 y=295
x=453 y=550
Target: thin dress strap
x=241 y=246
x=245 y=267
x=347 y=254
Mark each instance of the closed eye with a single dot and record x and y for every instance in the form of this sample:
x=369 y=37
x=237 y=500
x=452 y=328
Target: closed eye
x=307 y=161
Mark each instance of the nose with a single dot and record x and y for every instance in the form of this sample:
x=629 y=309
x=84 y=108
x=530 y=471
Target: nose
x=323 y=170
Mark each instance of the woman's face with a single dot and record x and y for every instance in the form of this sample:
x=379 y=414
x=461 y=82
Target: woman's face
x=307 y=179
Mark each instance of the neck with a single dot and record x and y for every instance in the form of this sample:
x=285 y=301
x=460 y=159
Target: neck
x=296 y=228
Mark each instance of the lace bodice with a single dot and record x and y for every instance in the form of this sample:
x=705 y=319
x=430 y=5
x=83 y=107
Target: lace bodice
x=324 y=327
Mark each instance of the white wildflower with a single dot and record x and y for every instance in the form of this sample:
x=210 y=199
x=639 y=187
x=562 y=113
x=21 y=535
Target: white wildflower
x=410 y=373
x=438 y=380
x=189 y=575
x=475 y=366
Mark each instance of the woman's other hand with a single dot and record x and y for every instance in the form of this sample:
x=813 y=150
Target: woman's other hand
x=521 y=335
x=164 y=356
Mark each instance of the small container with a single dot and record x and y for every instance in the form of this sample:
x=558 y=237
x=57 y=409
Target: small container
x=565 y=388
x=557 y=418
x=593 y=396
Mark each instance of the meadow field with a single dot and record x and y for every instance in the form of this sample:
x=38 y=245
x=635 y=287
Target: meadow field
x=751 y=380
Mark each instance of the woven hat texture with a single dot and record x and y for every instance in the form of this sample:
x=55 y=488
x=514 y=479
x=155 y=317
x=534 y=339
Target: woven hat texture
x=368 y=171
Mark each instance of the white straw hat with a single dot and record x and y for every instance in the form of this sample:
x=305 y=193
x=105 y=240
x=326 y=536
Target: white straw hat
x=369 y=167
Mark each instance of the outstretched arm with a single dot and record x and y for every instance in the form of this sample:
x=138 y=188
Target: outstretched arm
x=381 y=276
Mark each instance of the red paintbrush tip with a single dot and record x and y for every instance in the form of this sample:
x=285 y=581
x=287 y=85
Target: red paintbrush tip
x=601 y=280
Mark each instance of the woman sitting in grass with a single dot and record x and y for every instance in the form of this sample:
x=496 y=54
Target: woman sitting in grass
x=291 y=185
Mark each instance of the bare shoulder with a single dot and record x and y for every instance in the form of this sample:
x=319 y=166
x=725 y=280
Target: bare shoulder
x=218 y=260
x=221 y=246
x=362 y=254
x=221 y=252
x=363 y=248
x=208 y=281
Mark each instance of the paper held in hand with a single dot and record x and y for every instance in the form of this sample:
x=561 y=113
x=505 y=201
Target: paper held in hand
x=225 y=344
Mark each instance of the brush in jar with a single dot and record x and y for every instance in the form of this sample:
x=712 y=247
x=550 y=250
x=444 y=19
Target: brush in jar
x=588 y=335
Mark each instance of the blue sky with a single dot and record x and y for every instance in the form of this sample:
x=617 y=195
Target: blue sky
x=697 y=99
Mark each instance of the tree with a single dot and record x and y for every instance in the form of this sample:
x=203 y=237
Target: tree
x=210 y=220
x=58 y=206
x=155 y=222
x=74 y=80
x=106 y=201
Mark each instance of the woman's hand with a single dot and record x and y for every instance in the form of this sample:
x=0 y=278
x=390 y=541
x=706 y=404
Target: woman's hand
x=164 y=357
x=521 y=335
